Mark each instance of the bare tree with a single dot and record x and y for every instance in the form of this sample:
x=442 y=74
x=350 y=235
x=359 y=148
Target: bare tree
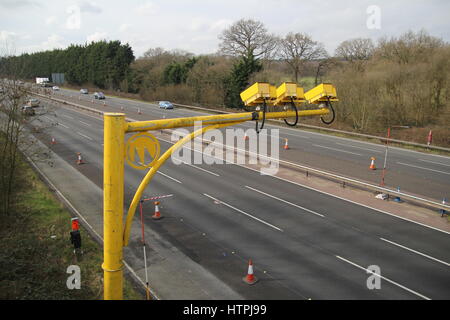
x=298 y=48
x=15 y=124
x=409 y=47
x=323 y=66
x=355 y=49
x=154 y=52
x=247 y=38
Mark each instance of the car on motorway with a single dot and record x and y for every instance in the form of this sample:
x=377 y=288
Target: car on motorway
x=55 y=88
x=33 y=102
x=28 y=111
x=165 y=105
x=84 y=91
x=99 y=95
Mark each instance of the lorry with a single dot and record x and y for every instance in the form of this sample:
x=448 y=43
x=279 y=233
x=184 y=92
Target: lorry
x=42 y=81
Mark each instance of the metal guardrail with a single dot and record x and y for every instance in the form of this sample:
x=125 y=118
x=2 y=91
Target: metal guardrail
x=382 y=139
x=321 y=173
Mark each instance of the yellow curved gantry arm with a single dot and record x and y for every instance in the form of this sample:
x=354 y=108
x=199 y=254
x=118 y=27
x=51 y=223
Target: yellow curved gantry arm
x=148 y=177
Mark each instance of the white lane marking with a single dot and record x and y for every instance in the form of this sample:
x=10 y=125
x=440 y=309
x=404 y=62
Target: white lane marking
x=245 y=213
x=207 y=171
x=318 y=145
x=442 y=164
x=67 y=116
x=323 y=192
x=85 y=136
x=411 y=165
x=85 y=123
x=60 y=124
x=366 y=149
x=167 y=176
x=388 y=280
x=415 y=251
x=290 y=203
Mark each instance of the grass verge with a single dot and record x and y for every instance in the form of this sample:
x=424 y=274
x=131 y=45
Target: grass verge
x=35 y=250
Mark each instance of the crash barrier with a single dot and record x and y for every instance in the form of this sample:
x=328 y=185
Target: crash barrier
x=308 y=170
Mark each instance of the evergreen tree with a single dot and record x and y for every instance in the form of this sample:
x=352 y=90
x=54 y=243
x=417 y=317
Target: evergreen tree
x=238 y=80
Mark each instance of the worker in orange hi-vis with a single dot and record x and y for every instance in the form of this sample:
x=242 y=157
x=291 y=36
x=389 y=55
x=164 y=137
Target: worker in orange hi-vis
x=75 y=236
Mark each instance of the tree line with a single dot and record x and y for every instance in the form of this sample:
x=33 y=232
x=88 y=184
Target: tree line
x=395 y=81
x=103 y=64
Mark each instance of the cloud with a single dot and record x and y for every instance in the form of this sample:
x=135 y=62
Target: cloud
x=97 y=36
x=90 y=7
x=54 y=41
x=12 y=4
x=219 y=25
x=147 y=8
x=7 y=35
x=124 y=27
x=50 y=20
x=73 y=21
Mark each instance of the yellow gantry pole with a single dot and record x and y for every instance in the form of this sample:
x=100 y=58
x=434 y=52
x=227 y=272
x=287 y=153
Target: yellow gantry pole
x=113 y=198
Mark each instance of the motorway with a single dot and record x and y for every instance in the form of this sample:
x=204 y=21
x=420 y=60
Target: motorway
x=304 y=244
x=414 y=172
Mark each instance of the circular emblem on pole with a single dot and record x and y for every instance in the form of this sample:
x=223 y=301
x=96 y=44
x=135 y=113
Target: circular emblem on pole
x=142 y=150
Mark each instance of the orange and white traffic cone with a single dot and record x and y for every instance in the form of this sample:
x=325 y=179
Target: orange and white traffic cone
x=53 y=141
x=157 y=214
x=250 y=278
x=286 y=146
x=372 y=164
x=79 y=159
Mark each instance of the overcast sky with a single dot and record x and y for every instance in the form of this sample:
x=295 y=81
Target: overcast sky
x=194 y=25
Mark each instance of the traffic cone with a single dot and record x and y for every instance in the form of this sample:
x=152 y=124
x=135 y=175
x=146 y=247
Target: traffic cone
x=139 y=111
x=53 y=141
x=246 y=137
x=79 y=159
x=157 y=214
x=372 y=164
x=250 y=278
x=286 y=146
